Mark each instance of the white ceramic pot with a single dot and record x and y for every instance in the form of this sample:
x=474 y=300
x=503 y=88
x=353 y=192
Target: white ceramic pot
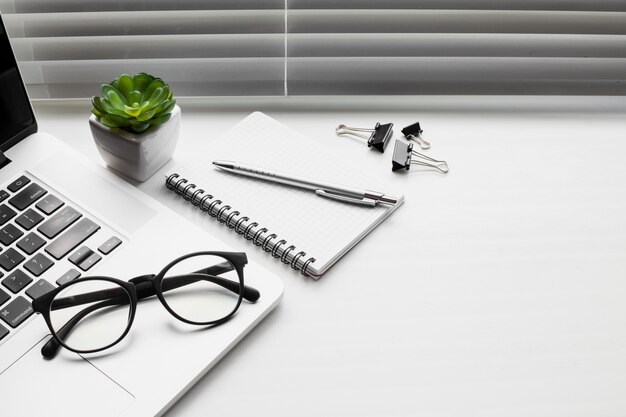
x=137 y=155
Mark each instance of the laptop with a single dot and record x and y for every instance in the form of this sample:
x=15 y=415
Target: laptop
x=50 y=194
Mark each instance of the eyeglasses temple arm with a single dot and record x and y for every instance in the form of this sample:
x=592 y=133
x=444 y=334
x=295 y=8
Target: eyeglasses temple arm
x=249 y=293
x=171 y=283
x=89 y=297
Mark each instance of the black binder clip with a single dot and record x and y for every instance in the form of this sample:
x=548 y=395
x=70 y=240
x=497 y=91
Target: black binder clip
x=404 y=156
x=414 y=132
x=379 y=136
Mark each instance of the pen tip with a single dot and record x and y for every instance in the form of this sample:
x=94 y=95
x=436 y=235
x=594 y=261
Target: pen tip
x=224 y=164
x=388 y=199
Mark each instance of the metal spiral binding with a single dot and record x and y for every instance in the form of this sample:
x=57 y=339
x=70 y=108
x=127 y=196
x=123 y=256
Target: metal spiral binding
x=230 y=216
x=251 y=226
x=285 y=254
x=239 y=222
x=193 y=196
x=268 y=239
x=242 y=225
x=220 y=211
x=257 y=234
x=276 y=248
x=186 y=196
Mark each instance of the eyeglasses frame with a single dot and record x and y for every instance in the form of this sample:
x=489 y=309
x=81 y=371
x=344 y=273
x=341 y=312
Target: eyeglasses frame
x=238 y=260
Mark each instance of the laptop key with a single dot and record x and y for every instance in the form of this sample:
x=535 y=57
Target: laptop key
x=29 y=219
x=27 y=196
x=16 y=281
x=10 y=259
x=109 y=245
x=80 y=255
x=59 y=222
x=10 y=234
x=3 y=332
x=3 y=195
x=76 y=235
x=31 y=243
x=6 y=214
x=39 y=288
x=38 y=264
x=18 y=183
x=70 y=275
x=91 y=260
x=16 y=312
x=4 y=297
x=49 y=204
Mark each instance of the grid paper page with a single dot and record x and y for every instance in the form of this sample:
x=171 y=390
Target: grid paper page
x=325 y=229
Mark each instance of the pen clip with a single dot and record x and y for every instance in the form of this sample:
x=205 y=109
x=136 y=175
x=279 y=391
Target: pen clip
x=362 y=201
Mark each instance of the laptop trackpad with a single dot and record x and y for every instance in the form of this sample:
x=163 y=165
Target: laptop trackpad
x=64 y=386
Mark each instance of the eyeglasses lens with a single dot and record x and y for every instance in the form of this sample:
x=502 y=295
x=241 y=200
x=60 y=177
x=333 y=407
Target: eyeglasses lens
x=202 y=288
x=90 y=315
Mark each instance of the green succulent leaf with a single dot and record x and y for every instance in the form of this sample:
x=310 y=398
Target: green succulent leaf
x=97 y=112
x=134 y=98
x=109 y=109
x=114 y=96
x=112 y=120
x=97 y=104
x=169 y=106
x=146 y=116
x=157 y=97
x=125 y=85
x=142 y=80
x=149 y=91
x=160 y=120
x=132 y=111
x=140 y=128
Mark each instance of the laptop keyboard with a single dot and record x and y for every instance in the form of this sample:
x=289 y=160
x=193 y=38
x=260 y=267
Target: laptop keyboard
x=45 y=241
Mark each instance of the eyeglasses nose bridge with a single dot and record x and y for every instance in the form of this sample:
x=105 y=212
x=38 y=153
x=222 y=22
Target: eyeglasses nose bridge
x=141 y=279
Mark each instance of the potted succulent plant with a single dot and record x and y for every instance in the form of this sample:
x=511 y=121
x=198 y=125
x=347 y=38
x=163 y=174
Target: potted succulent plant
x=135 y=124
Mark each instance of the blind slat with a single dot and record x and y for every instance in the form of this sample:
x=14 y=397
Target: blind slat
x=311 y=76
x=187 y=77
x=194 y=69
x=452 y=68
x=59 y=6
x=144 y=23
x=563 y=5
x=455 y=45
x=313 y=87
x=149 y=46
x=455 y=21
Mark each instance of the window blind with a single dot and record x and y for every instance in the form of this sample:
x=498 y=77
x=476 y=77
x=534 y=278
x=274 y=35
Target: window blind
x=456 y=47
x=66 y=48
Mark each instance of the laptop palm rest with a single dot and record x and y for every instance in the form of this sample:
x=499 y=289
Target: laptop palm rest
x=69 y=385
x=95 y=191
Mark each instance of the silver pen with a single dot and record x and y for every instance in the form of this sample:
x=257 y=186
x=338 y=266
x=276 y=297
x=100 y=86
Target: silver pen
x=324 y=189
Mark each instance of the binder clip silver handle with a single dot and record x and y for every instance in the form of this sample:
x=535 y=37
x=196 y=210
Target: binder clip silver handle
x=414 y=132
x=441 y=166
x=342 y=130
x=420 y=141
x=378 y=138
x=404 y=156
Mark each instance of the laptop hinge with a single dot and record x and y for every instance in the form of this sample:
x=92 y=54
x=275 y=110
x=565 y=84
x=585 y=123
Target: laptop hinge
x=4 y=161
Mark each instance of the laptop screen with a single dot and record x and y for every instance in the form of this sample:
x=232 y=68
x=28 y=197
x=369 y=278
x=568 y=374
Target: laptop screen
x=16 y=115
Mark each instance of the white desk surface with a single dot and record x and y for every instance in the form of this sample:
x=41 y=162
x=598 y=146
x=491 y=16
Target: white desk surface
x=496 y=290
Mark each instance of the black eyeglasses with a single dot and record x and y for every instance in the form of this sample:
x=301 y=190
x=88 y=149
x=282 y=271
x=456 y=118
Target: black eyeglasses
x=92 y=314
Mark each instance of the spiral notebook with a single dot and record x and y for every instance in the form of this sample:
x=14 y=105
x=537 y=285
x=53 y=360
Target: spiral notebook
x=303 y=230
